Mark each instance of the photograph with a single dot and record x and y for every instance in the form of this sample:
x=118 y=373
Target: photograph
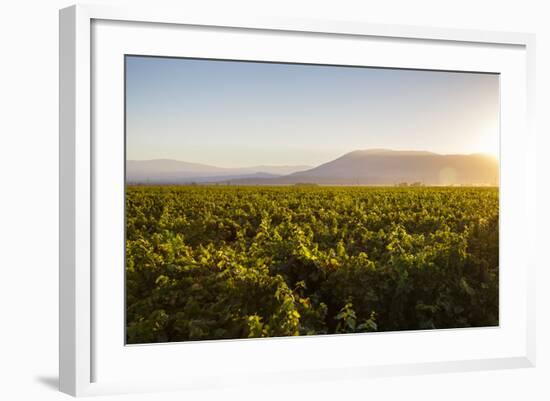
x=275 y=199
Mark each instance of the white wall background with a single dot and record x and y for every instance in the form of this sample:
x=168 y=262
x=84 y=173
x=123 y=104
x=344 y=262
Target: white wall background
x=29 y=186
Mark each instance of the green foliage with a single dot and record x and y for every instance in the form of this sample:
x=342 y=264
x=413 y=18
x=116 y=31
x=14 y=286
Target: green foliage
x=214 y=262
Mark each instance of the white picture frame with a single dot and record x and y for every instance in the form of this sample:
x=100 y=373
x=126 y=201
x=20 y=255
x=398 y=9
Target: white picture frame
x=92 y=38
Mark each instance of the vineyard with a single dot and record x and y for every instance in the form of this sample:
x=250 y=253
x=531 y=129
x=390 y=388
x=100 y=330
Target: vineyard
x=221 y=262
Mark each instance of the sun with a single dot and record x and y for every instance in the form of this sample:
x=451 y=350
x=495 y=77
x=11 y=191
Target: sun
x=488 y=143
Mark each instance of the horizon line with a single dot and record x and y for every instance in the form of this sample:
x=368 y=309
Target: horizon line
x=308 y=165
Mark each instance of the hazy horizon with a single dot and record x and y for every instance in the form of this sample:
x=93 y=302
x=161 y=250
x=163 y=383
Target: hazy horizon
x=302 y=165
x=373 y=166
x=235 y=114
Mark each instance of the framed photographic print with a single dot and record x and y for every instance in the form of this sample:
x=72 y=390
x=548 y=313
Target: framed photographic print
x=290 y=200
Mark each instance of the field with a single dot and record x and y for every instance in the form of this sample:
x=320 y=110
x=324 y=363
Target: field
x=220 y=262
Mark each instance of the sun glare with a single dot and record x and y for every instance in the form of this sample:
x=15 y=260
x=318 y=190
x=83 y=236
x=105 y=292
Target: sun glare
x=489 y=143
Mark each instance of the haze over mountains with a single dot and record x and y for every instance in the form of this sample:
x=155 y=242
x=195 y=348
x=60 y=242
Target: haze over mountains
x=360 y=167
x=167 y=171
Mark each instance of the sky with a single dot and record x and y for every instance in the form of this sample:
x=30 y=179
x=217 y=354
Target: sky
x=238 y=114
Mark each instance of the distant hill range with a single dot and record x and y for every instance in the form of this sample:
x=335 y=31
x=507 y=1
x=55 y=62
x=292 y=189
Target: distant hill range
x=167 y=171
x=360 y=167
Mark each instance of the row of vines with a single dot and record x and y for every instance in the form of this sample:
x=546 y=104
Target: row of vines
x=221 y=262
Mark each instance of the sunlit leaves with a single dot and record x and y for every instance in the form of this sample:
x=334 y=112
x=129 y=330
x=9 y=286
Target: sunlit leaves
x=213 y=262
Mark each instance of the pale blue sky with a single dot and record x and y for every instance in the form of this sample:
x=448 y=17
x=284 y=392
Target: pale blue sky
x=235 y=114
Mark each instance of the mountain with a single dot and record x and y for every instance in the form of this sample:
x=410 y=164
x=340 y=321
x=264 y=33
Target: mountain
x=360 y=167
x=168 y=171
x=390 y=167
